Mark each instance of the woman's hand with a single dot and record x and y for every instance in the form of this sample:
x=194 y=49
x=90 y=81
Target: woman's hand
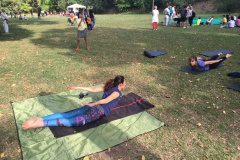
x=88 y=104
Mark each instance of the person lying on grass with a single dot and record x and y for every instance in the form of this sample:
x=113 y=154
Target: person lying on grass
x=198 y=64
x=86 y=114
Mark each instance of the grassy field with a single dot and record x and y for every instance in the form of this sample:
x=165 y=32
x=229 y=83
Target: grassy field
x=202 y=115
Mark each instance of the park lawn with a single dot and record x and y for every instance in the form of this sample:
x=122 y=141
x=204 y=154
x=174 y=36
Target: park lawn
x=202 y=115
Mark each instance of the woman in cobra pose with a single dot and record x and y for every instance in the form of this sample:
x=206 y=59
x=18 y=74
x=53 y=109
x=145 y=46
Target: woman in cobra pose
x=86 y=114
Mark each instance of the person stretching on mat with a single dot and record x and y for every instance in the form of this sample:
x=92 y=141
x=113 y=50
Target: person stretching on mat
x=86 y=114
x=198 y=64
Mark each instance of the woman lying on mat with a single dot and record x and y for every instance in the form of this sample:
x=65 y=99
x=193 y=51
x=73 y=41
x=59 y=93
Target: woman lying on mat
x=86 y=114
x=198 y=64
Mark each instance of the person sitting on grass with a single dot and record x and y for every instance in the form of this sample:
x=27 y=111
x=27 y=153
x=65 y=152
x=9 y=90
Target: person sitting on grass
x=238 y=21
x=197 y=64
x=224 y=20
x=82 y=31
x=209 y=20
x=231 y=23
x=25 y=17
x=86 y=114
x=198 y=23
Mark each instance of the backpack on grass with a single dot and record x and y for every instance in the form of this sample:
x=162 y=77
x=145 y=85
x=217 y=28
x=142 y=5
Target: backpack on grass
x=193 y=14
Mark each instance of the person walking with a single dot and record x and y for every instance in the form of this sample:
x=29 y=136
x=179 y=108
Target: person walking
x=155 y=20
x=4 y=21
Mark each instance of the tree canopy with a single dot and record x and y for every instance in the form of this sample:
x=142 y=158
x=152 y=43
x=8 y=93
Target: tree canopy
x=101 y=6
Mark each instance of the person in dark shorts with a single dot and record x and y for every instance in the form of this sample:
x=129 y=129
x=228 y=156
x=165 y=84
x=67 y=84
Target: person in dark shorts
x=82 y=31
x=183 y=19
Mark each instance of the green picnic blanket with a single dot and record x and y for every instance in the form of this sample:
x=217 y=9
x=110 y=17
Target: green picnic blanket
x=41 y=144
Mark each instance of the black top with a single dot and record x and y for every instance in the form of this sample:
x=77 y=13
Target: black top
x=91 y=13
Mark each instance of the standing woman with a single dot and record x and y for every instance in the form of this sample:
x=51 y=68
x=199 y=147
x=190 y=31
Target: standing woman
x=86 y=114
x=155 y=20
x=82 y=31
x=4 y=21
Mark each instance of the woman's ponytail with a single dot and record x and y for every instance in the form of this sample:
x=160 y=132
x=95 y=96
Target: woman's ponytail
x=113 y=82
x=108 y=85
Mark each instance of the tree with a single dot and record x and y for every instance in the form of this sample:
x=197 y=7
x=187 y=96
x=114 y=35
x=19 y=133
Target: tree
x=25 y=7
x=13 y=5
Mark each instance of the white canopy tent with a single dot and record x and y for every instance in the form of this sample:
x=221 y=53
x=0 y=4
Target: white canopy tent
x=75 y=7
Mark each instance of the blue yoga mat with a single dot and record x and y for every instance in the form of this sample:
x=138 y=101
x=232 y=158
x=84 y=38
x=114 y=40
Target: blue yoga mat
x=213 y=53
x=235 y=87
x=189 y=70
x=152 y=54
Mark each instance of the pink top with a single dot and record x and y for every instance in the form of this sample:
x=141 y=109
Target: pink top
x=238 y=22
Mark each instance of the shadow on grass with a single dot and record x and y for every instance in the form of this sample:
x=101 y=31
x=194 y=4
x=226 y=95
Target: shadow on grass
x=16 y=32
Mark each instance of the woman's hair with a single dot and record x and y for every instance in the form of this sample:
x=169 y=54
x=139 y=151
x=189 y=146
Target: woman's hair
x=113 y=82
x=193 y=57
x=232 y=18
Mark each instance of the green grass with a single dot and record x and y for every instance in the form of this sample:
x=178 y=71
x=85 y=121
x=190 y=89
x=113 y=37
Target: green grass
x=202 y=115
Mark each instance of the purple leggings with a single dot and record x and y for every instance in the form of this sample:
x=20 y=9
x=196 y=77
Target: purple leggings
x=77 y=117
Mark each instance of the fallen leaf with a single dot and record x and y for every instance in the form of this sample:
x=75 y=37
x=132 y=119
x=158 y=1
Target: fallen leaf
x=199 y=124
x=13 y=85
x=224 y=112
x=86 y=158
x=238 y=148
x=2 y=155
x=109 y=149
x=143 y=157
x=19 y=150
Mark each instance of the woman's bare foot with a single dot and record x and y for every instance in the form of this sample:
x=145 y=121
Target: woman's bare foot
x=33 y=123
x=88 y=48
x=228 y=55
x=220 y=54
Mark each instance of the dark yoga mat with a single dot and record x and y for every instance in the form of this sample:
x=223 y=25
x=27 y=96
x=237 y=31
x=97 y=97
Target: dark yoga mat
x=234 y=74
x=235 y=87
x=189 y=70
x=128 y=105
x=213 y=53
x=152 y=54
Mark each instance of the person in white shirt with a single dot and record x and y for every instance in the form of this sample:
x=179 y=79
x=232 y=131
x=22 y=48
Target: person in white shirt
x=209 y=21
x=4 y=21
x=155 y=20
x=166 y=13
x=25 y=17
x=231 y=23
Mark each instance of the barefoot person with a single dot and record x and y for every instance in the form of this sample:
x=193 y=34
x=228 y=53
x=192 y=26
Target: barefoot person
x=86 y=114
x=82 y=31
x=198 y=64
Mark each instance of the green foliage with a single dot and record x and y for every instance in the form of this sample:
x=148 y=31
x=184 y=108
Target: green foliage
x=123 y=5
x=103 y=5
x=10 y=5
x=229 y=6
x=25 y=7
